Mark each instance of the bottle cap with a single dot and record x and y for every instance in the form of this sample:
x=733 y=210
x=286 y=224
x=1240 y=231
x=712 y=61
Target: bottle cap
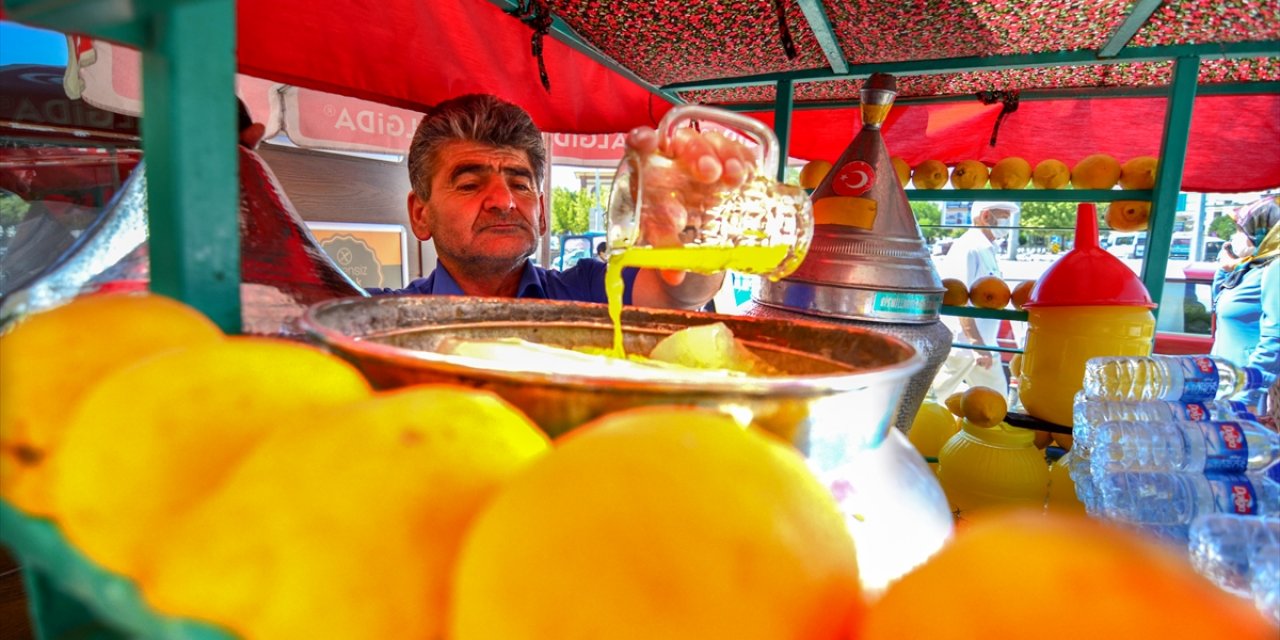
x=1088 y=275
x=1001 y=435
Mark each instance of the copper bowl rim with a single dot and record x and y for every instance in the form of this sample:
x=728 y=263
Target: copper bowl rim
x=805 y=385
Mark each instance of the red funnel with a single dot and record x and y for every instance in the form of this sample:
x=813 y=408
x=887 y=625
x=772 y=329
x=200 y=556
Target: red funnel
x=1087 y=275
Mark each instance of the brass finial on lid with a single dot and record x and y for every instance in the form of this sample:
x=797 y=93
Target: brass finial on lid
x=877 y=96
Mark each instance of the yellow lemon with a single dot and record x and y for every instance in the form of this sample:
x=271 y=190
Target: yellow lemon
x=1128 y=215
x=1051 y=174
x=50 y=359
x=1098 y=171
x=989 y=292
x=1011 y=173
x=901 y=168
x=955 y=404
x=356 y=516
x=984 y=406
x=969 y=174
x=931 y=428
x=1022 y=293
x=930 y=174
x=957 y=294
x=1120 y=585
x=663 y=522
x=1138 y=173
x=813 y=173
x=151 y=440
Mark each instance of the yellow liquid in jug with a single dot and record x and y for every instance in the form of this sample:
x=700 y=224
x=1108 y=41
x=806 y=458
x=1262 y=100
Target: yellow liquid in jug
x=708 y=259
x=1059 y=342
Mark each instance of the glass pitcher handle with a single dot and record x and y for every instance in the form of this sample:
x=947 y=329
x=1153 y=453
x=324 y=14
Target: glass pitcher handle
x=754 y=129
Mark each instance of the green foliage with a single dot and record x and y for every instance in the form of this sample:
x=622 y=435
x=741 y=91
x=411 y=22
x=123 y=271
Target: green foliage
x=1222 y=227
x=1060 y=215
x=12 y=209
x=571 y=210
x=929 y=216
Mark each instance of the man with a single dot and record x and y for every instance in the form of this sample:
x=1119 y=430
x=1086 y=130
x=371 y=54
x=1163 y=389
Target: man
x=602 y=252
x=973 y=256
x=476 y=165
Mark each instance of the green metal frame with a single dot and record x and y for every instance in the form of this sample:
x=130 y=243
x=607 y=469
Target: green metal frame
x=1222 y=89
x=188 y=136
x=994 y=63
x=782 y=124
x=1173 y=155
x=566 y=34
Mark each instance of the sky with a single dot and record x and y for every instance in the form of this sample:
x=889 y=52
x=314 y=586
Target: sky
x=22 y=44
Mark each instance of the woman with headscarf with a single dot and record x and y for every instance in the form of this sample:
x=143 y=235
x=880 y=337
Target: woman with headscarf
x=1247 y=295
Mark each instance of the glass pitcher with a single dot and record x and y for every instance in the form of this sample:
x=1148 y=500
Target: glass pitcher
x=660 y=216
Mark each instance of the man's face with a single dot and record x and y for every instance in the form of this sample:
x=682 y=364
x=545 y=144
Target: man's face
x=996 y=218
x=484 y=210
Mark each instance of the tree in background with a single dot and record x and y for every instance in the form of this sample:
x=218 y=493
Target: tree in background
x=571 y=210
x=1042 y=222
x=1222 y=227
x=929 y=217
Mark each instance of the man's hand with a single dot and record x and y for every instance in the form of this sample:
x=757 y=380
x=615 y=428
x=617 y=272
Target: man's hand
x=984 y=359
x=700 y=167
x=677 y=193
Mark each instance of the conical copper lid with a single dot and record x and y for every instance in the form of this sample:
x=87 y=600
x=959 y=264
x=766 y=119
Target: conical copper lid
x=868 y=259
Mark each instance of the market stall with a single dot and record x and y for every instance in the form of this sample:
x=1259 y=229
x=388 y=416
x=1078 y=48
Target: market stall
x=1188 y=83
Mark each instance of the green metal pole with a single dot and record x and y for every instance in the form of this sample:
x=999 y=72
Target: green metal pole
x=189 y=139
x=1173 y=155
x=782 y=123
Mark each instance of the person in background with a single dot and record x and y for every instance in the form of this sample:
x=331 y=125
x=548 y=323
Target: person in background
x=972 y=256
x=1247 y=293
x=476 y=164
x=602 y=252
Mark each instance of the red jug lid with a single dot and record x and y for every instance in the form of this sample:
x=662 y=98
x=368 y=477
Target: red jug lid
x=1088 y=275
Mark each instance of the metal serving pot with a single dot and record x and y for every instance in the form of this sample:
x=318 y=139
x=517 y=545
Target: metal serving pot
x=835 y=405
x=843 y=386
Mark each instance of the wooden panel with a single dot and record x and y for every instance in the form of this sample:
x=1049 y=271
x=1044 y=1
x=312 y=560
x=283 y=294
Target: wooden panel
x=14 y=621
x=327 y=187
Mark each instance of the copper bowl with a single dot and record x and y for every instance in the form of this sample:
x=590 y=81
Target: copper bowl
x=843 y=383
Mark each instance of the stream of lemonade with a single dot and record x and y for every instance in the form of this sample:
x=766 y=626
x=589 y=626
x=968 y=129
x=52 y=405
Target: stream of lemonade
x=707 y=259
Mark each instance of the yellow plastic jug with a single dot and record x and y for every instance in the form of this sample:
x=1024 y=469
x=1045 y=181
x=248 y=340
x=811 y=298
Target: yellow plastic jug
x=1088 y=304
x=984 y=470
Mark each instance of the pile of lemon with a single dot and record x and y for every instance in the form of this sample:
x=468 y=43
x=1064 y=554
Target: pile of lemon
x=987 y=292
x=264 y=487
x=1097 y=171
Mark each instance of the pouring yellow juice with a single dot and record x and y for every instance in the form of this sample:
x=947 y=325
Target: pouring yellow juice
x=699 y=259
x=759 y=227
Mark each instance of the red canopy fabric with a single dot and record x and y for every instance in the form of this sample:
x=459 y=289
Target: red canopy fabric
x=414 y=54
x=1231 y=148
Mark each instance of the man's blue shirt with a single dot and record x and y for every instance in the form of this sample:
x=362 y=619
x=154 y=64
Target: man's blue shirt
x=583 y=282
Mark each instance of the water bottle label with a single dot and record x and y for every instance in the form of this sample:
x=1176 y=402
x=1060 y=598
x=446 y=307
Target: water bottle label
x=1225 y=446
x=1199 y=378
x=1253 y=378
x=1193 y=411
x=1233 y=494
x=1241 y=410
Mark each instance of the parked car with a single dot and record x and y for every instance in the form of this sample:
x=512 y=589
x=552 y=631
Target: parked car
x=1128 y=245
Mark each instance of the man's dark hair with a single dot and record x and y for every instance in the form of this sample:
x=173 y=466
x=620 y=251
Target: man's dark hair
x=602 y=247
x=478 y=118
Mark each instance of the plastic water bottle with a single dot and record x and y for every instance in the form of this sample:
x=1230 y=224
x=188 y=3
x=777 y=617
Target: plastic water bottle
x=1177 y=378
x=1164 y=498
x=1087 y=411
x=1226 y=446
x=1241 y=554
x=1082 y=476
x=1265 y=584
